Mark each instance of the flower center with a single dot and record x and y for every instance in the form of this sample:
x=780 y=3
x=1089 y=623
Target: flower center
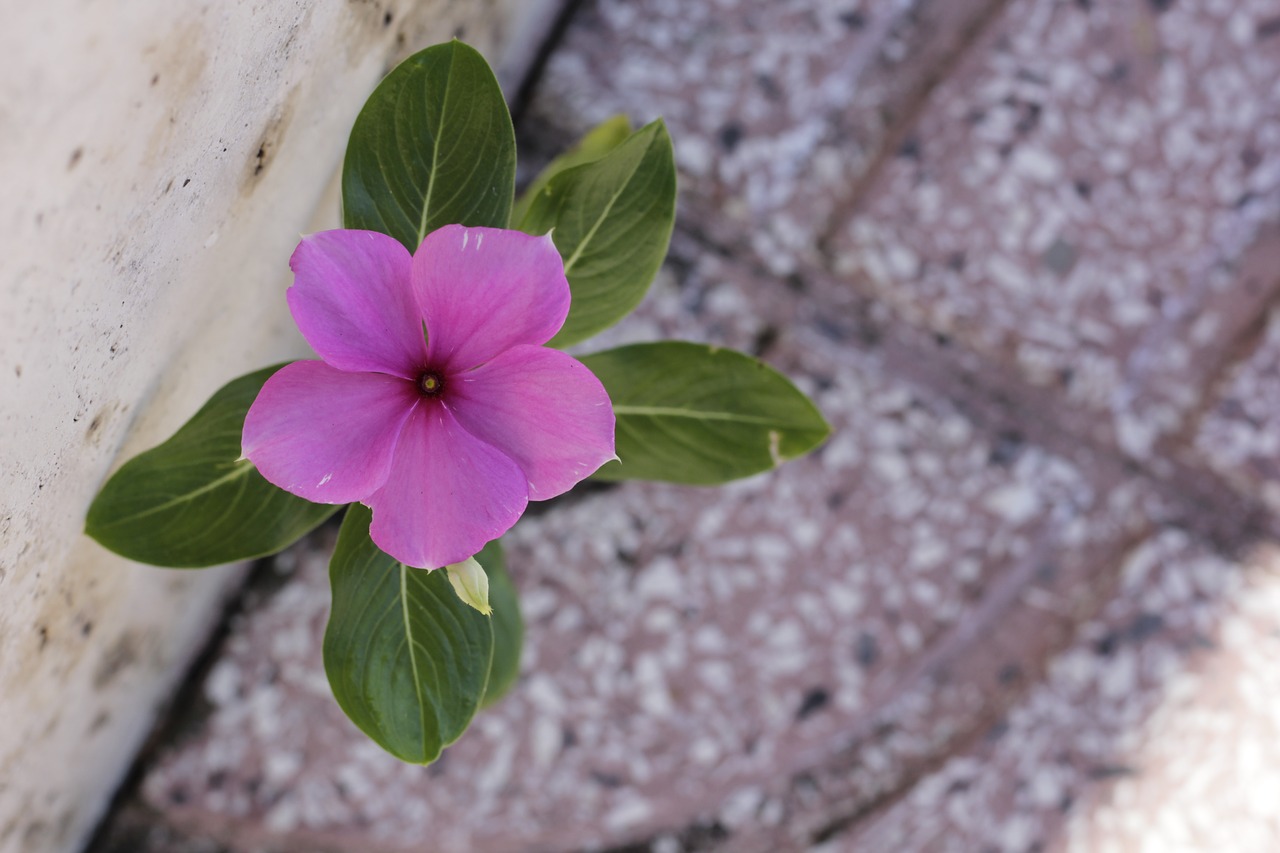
x=431 y=384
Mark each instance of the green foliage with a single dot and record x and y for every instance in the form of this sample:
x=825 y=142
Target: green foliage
x=599 y=141
x=193 y=502
x=611 y=220
x=432 y=146
x=408 y=661
x=690 y=413
x=508 y=626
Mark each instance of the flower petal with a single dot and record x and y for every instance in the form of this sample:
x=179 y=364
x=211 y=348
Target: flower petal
x=353 y=300
x=448 y=494
x=542 y=408
x=484 y=290
x=324 y=434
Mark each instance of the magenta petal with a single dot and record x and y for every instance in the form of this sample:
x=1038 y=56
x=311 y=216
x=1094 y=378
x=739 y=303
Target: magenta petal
x=484 y=290
x=324 y=434
x=353 y=300
x=448 y=493
x=542 y=408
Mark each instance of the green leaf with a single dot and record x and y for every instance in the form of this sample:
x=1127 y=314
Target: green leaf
x=508 y=627
x=407 y=659
x=611 y=219
x=599 y=141
x=689 y=413
x=193 y=502
x=432 y=146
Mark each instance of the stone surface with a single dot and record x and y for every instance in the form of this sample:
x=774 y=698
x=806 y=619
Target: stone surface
x=1022 y=253
x=1240 y=435
x=1156 y=730
x=158 y=162
x=1077 y=201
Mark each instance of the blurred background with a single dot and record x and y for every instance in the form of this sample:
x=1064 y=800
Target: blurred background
x=1025 y=255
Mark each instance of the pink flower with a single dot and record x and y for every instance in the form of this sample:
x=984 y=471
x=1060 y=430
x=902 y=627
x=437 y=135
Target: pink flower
x=436 y=404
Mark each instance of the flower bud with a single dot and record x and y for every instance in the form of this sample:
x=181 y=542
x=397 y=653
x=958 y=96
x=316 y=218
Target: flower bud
x=471 y=584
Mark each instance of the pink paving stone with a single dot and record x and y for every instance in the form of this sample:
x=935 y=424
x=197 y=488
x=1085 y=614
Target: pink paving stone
x=688 y=647
x=776 y=109
x=1076 y=200
x=1239 y=436
x=1157 y=729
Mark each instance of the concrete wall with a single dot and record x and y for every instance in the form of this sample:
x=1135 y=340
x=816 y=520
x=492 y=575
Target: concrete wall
x=158 y=161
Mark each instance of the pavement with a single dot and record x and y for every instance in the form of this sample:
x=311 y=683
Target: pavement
x=1025 y=256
